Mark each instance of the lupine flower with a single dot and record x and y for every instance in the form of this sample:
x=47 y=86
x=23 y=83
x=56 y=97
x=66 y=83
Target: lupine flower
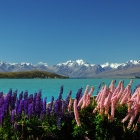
x=25 y=107
x=26 y=95
x=58 y=123
x=20 y=108
x=84 y=96
x=1 y=119
x=21 y=95
x=37 y=105
x=78 y=95
x=68 y=97
x=89 y=96
x=44 y=106
x=13 y=116
x=102 y=100
x=30 y=109
x=70 y=105
x=30 y=99
x=61 y=92
x=15 y=126
x=52 y=100
x=48 y=111
x=76 y=113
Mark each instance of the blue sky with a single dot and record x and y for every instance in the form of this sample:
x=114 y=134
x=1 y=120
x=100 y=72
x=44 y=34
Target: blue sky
x=55 y=31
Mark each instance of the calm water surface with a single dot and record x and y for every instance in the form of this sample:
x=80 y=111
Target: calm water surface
x=51 y=87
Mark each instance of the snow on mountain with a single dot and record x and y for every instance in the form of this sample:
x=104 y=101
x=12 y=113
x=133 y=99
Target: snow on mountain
x=77 y=68
x=112 y=65
x=42 y=63
x=71 y=63
x=121 y=65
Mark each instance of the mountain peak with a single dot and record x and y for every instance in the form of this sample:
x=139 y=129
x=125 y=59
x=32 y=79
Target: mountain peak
x=71 y=63
x=80 y=62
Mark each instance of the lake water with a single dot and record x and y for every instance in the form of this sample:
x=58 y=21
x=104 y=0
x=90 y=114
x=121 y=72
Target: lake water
x=51 y=87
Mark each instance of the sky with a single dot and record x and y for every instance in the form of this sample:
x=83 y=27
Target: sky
x=54 y=31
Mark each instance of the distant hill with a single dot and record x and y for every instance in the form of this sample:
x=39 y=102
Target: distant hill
x=130 y=73
x=30 y=75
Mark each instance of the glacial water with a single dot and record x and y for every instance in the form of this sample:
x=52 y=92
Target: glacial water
x=51 y=87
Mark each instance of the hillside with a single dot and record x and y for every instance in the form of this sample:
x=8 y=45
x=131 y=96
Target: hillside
x=123 y=73
x=30 y=75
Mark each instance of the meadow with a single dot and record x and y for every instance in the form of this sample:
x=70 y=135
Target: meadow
x=112 y=114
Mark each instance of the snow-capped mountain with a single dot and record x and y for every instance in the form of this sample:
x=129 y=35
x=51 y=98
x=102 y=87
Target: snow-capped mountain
x=73 y=69
x=127 y=64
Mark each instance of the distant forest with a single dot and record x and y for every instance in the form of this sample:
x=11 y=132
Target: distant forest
x=30 y=75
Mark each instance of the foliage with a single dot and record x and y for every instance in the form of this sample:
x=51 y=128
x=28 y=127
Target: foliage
x=30 y=75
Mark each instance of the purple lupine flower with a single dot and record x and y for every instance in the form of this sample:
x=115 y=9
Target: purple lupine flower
x=34 y=102
x=25 y=107
x=15 y=95
x=37 y=105
x=13 y=116
x=59 y=123
x=17 y=104
x=30 y=98
x=12 y=106
x=8 y=97
x=21 y=95
x=26 y=95
x=48 y=111
x=44 y=106
x=30 y=110
x=41 y=105
x=58 y=107
x=1 y=101
x=63 y=107
x=61 y=92
x=68 y=98
x=6 y=108
x=78 y=95
x=51 y=104
x=39 y=94
x=15 y=126
x=20 y=108
x=1 y=119
x=114 y=81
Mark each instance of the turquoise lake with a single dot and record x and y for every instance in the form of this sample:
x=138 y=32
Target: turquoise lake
x=51 y=87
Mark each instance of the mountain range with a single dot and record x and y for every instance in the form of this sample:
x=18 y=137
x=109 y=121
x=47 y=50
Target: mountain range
x=80 y=69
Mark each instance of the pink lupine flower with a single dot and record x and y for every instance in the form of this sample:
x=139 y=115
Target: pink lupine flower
x=112 y=110
x=85 y=94
x=89 y=95
x=107 y=102
x=95 y=109
x=126 y=117
x=111 y=87
x=117 y=89
x=131 y=121
x=100 y=95
x=121 y=92
x=128 y=86
x=70 y=105
x=102 y=100
x=126 y=96
x=84 y=102
x=76 y=113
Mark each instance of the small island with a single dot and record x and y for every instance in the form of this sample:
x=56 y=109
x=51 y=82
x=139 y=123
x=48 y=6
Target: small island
x=31 y=75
